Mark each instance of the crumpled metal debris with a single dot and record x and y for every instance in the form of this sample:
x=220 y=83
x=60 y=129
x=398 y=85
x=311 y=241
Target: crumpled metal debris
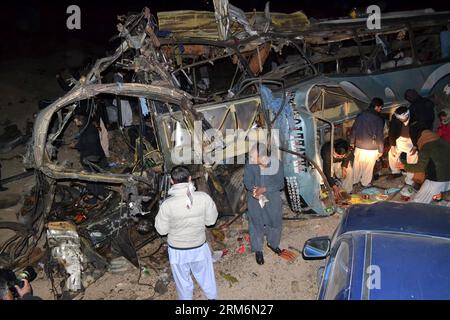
x=64 y=244
x=120 y=264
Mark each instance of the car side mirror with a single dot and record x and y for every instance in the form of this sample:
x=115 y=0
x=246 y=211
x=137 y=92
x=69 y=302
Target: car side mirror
x=316 y=248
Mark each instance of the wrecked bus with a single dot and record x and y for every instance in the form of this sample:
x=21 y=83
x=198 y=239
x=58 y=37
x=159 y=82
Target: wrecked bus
x=354 y=65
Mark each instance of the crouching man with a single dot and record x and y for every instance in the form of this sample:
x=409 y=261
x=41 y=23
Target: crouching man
x=339 y=172
x=183 y=217
x=434 y=155
x=400 y=141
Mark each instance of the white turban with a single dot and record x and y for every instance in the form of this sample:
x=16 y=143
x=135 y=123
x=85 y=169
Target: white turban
x=402 y=117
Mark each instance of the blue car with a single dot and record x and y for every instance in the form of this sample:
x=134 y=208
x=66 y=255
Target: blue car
x=386 y=251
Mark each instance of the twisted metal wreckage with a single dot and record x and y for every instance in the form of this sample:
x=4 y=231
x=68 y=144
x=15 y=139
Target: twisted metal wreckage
x=278 y=64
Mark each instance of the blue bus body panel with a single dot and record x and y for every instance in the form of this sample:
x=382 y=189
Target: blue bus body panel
x=389 y=85
x=297 y=130
x=301 y=178
x=421 y=78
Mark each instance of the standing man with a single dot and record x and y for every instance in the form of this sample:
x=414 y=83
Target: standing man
x=368 y=140
x=265 y=211
x=421 y=109
x=434 y=155
x=400 y=142
x=183 y=217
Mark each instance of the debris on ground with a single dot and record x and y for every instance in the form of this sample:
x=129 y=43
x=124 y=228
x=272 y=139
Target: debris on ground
x=229 y=278
x=120 y=264
x=371 y=191
x=10 y=200
x=390 y=191
x=162 y=283
x=295 y=286
x=288 y=255
x=241 y=249
x=218 y=235
x=217 y=255
x=11 y=138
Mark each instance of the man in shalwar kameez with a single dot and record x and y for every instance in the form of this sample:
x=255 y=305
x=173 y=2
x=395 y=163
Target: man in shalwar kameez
x=264 y=180
x=183 y=217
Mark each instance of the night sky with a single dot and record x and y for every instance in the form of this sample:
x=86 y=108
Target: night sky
x=37 y=28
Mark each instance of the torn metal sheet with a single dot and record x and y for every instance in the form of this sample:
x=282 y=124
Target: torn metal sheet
x=229 y=20
x=65 y=247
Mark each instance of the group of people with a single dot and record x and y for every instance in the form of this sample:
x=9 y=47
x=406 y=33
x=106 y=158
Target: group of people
x=185 y=214
x=416 y=150
x=414 y=147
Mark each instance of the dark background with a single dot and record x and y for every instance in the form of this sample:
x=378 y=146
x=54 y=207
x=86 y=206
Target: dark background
x=38 y=28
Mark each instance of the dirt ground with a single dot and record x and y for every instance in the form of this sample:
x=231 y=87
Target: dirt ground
x=237 y=274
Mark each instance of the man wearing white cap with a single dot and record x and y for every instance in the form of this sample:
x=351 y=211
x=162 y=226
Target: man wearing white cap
x=400 y=141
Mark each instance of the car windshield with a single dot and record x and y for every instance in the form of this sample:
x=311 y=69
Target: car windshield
x=339 y=273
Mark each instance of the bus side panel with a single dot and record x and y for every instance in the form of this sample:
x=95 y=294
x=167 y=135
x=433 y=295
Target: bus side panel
x=301 y=178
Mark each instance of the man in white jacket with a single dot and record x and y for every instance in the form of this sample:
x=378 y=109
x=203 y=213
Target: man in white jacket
x=183 y=217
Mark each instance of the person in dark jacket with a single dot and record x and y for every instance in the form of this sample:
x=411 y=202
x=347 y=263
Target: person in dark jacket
x=421 y=109
x=101 y=122
x=88 y=144
x=339 y=173
x=265 y=217
x=367 y=139
x=91 y=152
x=400 y=142
x=434 y=155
